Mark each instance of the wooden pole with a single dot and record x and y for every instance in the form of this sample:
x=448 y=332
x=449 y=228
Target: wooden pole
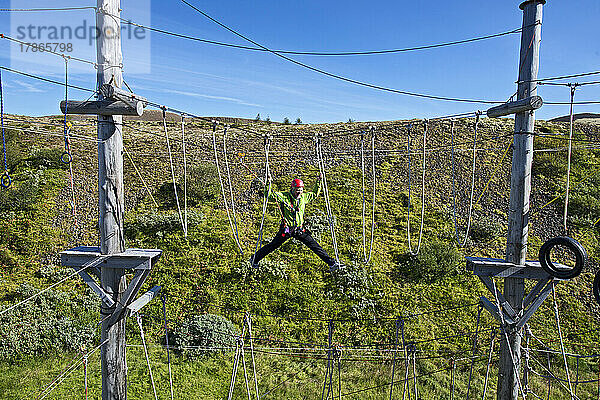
x=520 y=189
x=111 y=199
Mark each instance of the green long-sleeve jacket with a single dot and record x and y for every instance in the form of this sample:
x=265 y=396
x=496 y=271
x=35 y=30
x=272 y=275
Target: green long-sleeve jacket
x=292 y=209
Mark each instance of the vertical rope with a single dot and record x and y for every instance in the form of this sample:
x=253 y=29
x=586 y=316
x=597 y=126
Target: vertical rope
x=226 y=158
x=249 y=322
x=410 y=250
x=562 y=346
x=452 y=370
x=85 y=375
x=487 y=370
x=239 y=348
x=362 y=169
x=321 y=162
x=366 y=257
x=576 y=375
x=139 y=322
x=414 y=354
x=503 y=329
x=474 y=350
x=164 y=110
x=5 y=180
x=266 y=198
x=225 y=202
x=140 y=176
x=329 y=371
x=573 y=87
x=185 y=202
x=398 y=322
x=526 y=368
x=164 y=304
x=245 y=371
x=406 y=365
x=472 y=195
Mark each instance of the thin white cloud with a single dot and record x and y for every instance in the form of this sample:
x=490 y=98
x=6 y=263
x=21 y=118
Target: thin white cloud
x=206 y=96
x=28 y=87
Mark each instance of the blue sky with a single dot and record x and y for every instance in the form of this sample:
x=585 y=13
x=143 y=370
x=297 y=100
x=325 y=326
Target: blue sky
x=208 y=80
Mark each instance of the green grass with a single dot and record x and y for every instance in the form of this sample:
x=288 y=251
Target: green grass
x=294 y=295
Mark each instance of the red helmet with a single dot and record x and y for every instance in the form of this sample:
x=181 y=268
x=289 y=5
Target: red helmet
x=297 y=183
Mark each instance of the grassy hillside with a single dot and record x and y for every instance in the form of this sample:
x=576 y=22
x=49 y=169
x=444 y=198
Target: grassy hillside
x=293 y=298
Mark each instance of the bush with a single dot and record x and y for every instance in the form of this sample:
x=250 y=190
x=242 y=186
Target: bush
x=203 y=186
x=436 y=260
x=46 y=158
x=318 y=223
x=24 y=192
x=286 y=121
x=266 y=269
x=203 y=335
x=156 y=223
x=485 y=229
x=47 y=323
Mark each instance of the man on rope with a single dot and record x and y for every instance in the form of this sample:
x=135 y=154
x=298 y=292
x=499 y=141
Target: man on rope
x=291 y=206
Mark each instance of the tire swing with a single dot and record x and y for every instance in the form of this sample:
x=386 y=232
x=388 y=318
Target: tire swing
x=558 y=270
x=596 y=287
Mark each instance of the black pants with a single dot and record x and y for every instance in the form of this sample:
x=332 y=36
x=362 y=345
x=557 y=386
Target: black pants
x=301 y=234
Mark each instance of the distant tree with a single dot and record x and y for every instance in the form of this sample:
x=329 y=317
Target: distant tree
x=257 y=117
x=286 y=121
x=298 y=121
x=268 y=120
x=350 y=120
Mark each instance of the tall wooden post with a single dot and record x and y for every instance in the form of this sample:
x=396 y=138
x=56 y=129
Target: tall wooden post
x=520 y=189
x=111 y=199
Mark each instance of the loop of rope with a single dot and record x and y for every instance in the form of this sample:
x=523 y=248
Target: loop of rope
x=266 y=198
x=232 y=199
x=321 y=164
x=164 y=114
x=471 y=197
x=362 y=163
x=5 y=181
x=66 y=157
x=566 y=207
x=138 y=318
x=232 y=222
x=185 y=204
x=410 y=250
x=164 y=304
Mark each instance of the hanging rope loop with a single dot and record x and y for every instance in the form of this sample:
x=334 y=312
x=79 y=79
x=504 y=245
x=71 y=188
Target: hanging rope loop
x=410 y=250
x=462 y=243
x=5 y=180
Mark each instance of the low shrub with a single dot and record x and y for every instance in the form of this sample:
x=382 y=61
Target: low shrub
x=159 y=223
x=267 y=269
x=48 y=323
x=203 y=335
x=435 y=261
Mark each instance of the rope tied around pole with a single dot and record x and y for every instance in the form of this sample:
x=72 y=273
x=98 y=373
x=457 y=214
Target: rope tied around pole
x=5 y=180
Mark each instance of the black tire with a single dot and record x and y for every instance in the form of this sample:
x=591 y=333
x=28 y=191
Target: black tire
x=596 y=287
x=563 y=273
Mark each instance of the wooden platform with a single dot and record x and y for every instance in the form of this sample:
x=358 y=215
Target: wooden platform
x=496 y=267
x=129 y=259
